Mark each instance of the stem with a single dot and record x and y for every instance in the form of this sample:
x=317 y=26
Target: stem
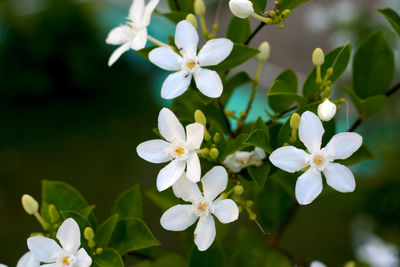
x=227 y=123
x=204 y=27
x=158 y=42
x=178 y=8
x=259 y=27
x=259 y=17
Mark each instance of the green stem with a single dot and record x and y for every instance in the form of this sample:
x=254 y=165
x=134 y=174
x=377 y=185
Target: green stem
x=158 y=42
x=259 y=17
x=204 y=27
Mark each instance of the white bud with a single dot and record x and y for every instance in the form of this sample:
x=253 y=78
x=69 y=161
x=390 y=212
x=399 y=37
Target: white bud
x=326 y=110
x=318 y=57
x=241 y=8
x=31 y=206
x=265 y=51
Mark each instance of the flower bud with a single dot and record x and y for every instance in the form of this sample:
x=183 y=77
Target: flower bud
x=214 y=153
x=199 y=8
x=200 y=117
x=285 y=13
x=241 y=8
x=253 y=217
x=249 y=203
x=295 y=121
x=326 y=110
x=30 y=205
x=217 y=138
x=238 y=189
x=53 y=213
x=318 y=57
x=88 y=233
x=265 y=51
x=99 y=251
x=192 y=19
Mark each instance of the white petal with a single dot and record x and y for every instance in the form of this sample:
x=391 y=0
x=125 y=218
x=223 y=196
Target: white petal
x=148 y=10
x=226 y=210
x=214 y=182
x=139 y=41
x=186 y=38
x=241 y=8
x=49 y=265
x=208 y=82
x=169 y=126
x=308 y=186
x=117 y=53
x=317 y=264
x=170 y=174
x=155 y=151
x=311 y=131
x=195 y=134
x=178 y=218
x=117 y=35
x=165 y=58
x=186 y=190
x=339 y=177
x=258 y=154
x=28 y=260
x=69 y=235
x=289 y=158
x=215 y=51
x=136 y=11
x=343 y=145
x=83 y=259
x=43 y=248
x=204 y=234
x=193 y=168
x=175 y=85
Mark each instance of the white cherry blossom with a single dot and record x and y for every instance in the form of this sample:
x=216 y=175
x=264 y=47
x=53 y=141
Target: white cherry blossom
x=190 y=63
x=292 y=159
x=132 y=35
x=68 y=254
x=241 y=8
x=242 y=159
x=179 y=149
x=202 y=207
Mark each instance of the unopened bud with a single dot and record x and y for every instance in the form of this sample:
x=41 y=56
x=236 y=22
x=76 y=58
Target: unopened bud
x=217 y=138
x=53 y=213
x=281 y=25
x=318 y=57
x=253 y=216
x=238 y=189
x=326 y=110
x=229 y=113
x=88 y=233
x=285 y=13
x=30 y=205
x=272 y=13
x=192 y=19
x=99 y=251
x=200 y=117
x=241 y=8
x=265 y=51
x=268 y=21
x=350 y=264
x=295 y=121
x=329 y=72
x=199 y=8
x=249 y=203
x=214 y=153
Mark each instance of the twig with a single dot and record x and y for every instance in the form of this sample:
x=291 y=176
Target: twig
x=227 y=123
x=178 y=8
x=253 y=34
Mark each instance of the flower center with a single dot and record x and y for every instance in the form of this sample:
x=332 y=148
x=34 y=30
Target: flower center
x=65 y=260
x=191 y=64
x=202 y=206
x=318 y=160
x=180 y=150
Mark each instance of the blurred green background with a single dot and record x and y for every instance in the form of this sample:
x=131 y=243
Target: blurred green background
x=66 y=116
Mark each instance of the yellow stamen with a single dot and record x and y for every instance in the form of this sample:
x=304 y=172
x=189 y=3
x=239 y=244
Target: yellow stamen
x=202 y=206
x=318 y=160
x=66 y=260
x=129 y=26
x=191 y=64
x=180 y=150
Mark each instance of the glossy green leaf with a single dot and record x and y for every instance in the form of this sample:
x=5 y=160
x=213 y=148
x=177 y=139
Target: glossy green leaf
x=392 y=17
x=259 y=5
x=239 y=30
x=259 y=175
x=236 y=145
x=362 y=154
x=212 y=257
x=368 y=106
x=290 y=4
x=239 y=55
x=145 y=51
x=109 y=258
x=259 y=139
x=181 y=5
x=129 y=204
x=373 y=66
x=232 y=83
x=164 y=200
x=166 y=260
x=175 y=16
x=105 y=231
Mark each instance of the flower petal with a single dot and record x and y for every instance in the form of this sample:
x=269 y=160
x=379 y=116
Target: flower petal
x=186 y=190
x=148 y=10
x=204 y=234
x=308 y=186
x=28 y=260
x=195 y=134
x=169 y=126
x=215 y=51
x=208 y=82
x=117 y=35
x=186 y=38
x=226 y=210
x=170 y=174
x=311 y=131
x=193 y=168
x=69 y=235
x=117 y=53
x=136 y=11
x=139 y=41
x=214 y=182
x=43 y=248
x=339 y=177
x=83 y=259
x=165 y=58
x=289 y=158
x=175 y=85
x=154 y=151
x=178 y=218
x=343 y=145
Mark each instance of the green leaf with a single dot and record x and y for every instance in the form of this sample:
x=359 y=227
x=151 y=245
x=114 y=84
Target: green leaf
x=166 y=260
x=239 y=55
x=145 y=51
x=164 y=200
x=132 y=234
x=338 y=59
x=239 y=30
x=392 y=17
x=175 y=16
x=259 y=5
x=109 y=258
x=258 y=138
x=368 y=106
x=362 y=154
x=373 y=66
x=105 y=231
x=236 y=145
x=129 y=204
x=232 y=83
x=82 y=222
x=212 y=257
x=184 y=5
x=289 y=4
x=259 y=174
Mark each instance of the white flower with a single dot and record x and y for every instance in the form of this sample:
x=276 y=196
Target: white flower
x=309 y=184
x=179 y=148
x=180 y=217
x=241 y=8
x=28 y=260
x=47 y=250
x=242 y=159
x=317 y=264
x=326 y=110
x=134 y=33
x=190 y=63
